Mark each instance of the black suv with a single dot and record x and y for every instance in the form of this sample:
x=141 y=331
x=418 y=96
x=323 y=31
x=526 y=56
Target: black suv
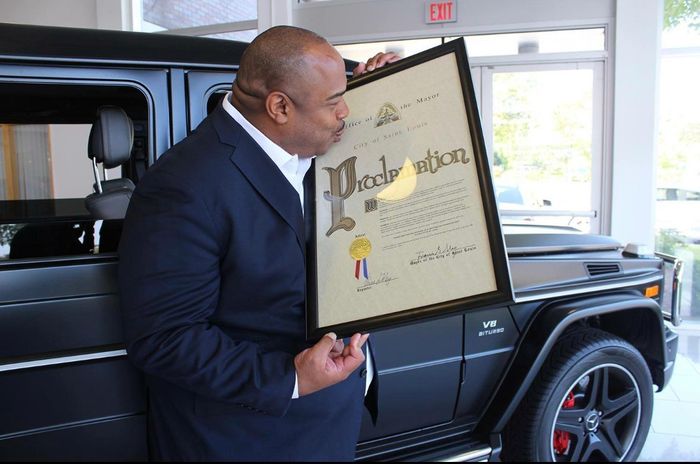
x=566 y=373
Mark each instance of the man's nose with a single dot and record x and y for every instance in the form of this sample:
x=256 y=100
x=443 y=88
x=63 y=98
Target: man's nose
x=343 y=110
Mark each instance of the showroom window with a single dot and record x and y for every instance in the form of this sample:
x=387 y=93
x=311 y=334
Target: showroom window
x=222 y=19
x=678 y=154
x=544 y=139
x=541 y=101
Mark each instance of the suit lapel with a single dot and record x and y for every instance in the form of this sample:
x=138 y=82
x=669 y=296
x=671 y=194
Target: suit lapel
x=261 y=172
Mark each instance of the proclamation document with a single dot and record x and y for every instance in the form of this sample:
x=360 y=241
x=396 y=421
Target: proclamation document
x=401 y=223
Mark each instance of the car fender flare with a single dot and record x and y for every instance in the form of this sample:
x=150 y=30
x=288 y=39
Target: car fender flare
x=539 y=338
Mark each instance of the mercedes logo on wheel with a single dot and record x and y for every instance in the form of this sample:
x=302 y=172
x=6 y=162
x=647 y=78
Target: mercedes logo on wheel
x=592 y=421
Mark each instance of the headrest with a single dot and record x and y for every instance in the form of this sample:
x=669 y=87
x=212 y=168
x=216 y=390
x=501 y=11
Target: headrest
x=111 y=137
x=108 y=205
x=115 y=184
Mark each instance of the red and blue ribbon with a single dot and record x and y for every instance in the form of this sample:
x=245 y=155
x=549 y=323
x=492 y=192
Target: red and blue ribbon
x=361 y=264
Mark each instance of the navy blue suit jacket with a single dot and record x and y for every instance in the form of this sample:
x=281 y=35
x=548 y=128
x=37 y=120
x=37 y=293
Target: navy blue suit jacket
x=212 y=283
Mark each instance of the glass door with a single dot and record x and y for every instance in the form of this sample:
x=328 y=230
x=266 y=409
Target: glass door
x=544 y=135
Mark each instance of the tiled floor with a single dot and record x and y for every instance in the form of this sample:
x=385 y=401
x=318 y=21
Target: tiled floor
x=675 y=425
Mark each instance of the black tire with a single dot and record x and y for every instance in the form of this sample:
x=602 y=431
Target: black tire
x=592 y=401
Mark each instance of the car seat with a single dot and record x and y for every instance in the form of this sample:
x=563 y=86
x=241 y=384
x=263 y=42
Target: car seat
x=110 y=142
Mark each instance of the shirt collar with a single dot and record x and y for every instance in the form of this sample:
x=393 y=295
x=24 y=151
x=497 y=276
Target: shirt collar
x=290 y=165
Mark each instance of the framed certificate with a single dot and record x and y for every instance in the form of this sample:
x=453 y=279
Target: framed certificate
x=406 y=223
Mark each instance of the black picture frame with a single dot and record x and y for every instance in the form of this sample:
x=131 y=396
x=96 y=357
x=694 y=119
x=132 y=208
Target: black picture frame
x=503 y=293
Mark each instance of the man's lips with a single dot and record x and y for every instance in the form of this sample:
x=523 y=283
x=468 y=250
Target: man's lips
x=339 y=132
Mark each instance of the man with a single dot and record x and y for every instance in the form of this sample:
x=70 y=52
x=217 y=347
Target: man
x=212 y=271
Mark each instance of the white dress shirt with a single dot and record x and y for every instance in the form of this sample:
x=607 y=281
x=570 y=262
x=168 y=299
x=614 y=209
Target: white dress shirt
x=294 y=169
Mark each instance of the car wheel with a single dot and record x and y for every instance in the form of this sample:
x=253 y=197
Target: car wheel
x=592 y=401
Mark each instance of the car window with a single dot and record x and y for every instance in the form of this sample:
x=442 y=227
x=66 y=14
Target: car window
x=214 y=100
x=677 y=194
x=45 y=172
x=661 y=194
x=692 y=196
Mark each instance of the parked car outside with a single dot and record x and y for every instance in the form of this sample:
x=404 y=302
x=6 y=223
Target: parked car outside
x=678 y=210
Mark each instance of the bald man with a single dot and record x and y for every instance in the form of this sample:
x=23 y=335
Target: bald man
x=212 y=271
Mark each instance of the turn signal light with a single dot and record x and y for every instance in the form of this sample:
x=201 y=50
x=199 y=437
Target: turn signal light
x=651 y=292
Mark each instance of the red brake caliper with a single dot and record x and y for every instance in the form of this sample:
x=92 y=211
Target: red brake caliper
x=563 y=439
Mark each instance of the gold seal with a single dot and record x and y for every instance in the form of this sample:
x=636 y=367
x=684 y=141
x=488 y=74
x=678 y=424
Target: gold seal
x=360 y=248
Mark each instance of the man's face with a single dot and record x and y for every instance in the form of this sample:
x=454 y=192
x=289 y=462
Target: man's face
x=319 y=107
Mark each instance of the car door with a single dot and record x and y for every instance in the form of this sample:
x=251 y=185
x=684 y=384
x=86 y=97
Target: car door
x=204 y=91
x=419 y=372
x=68 y=390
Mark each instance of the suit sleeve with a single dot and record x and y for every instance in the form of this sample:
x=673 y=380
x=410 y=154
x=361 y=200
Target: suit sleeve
x=169 y=288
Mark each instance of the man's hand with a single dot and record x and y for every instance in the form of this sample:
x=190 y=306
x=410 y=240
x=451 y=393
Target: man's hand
x=328 y=362
x=377 y=61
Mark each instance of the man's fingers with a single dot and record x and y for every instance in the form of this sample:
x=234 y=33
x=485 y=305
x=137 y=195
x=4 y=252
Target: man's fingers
x=381 y=59
x=372 y=62
x=354 y=346
x=377 y=61
x=386 y=58
x=359 y=69
x=363 y=339
x=355 y=356
x=359 y=339
x=323 y=365
x=337 y=348
x=324 y=346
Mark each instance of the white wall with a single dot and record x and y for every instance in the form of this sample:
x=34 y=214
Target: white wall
x=637 y=49
x=343 y=21
x=94 y=14
x=274 y=13
x=71 y=13
x=71 y=168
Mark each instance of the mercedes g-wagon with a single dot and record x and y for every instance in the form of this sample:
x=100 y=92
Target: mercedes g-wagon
x=564 y=373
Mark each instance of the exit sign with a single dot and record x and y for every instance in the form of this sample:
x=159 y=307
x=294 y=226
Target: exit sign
x=440 y=12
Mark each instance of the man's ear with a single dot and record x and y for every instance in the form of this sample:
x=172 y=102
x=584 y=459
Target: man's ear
x=278 y=106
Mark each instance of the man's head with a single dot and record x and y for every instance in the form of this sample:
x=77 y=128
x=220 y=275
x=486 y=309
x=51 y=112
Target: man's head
x=290 y=85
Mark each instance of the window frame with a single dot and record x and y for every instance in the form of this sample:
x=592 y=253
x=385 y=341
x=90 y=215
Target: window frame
x=487 y=68
x=151 y=84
